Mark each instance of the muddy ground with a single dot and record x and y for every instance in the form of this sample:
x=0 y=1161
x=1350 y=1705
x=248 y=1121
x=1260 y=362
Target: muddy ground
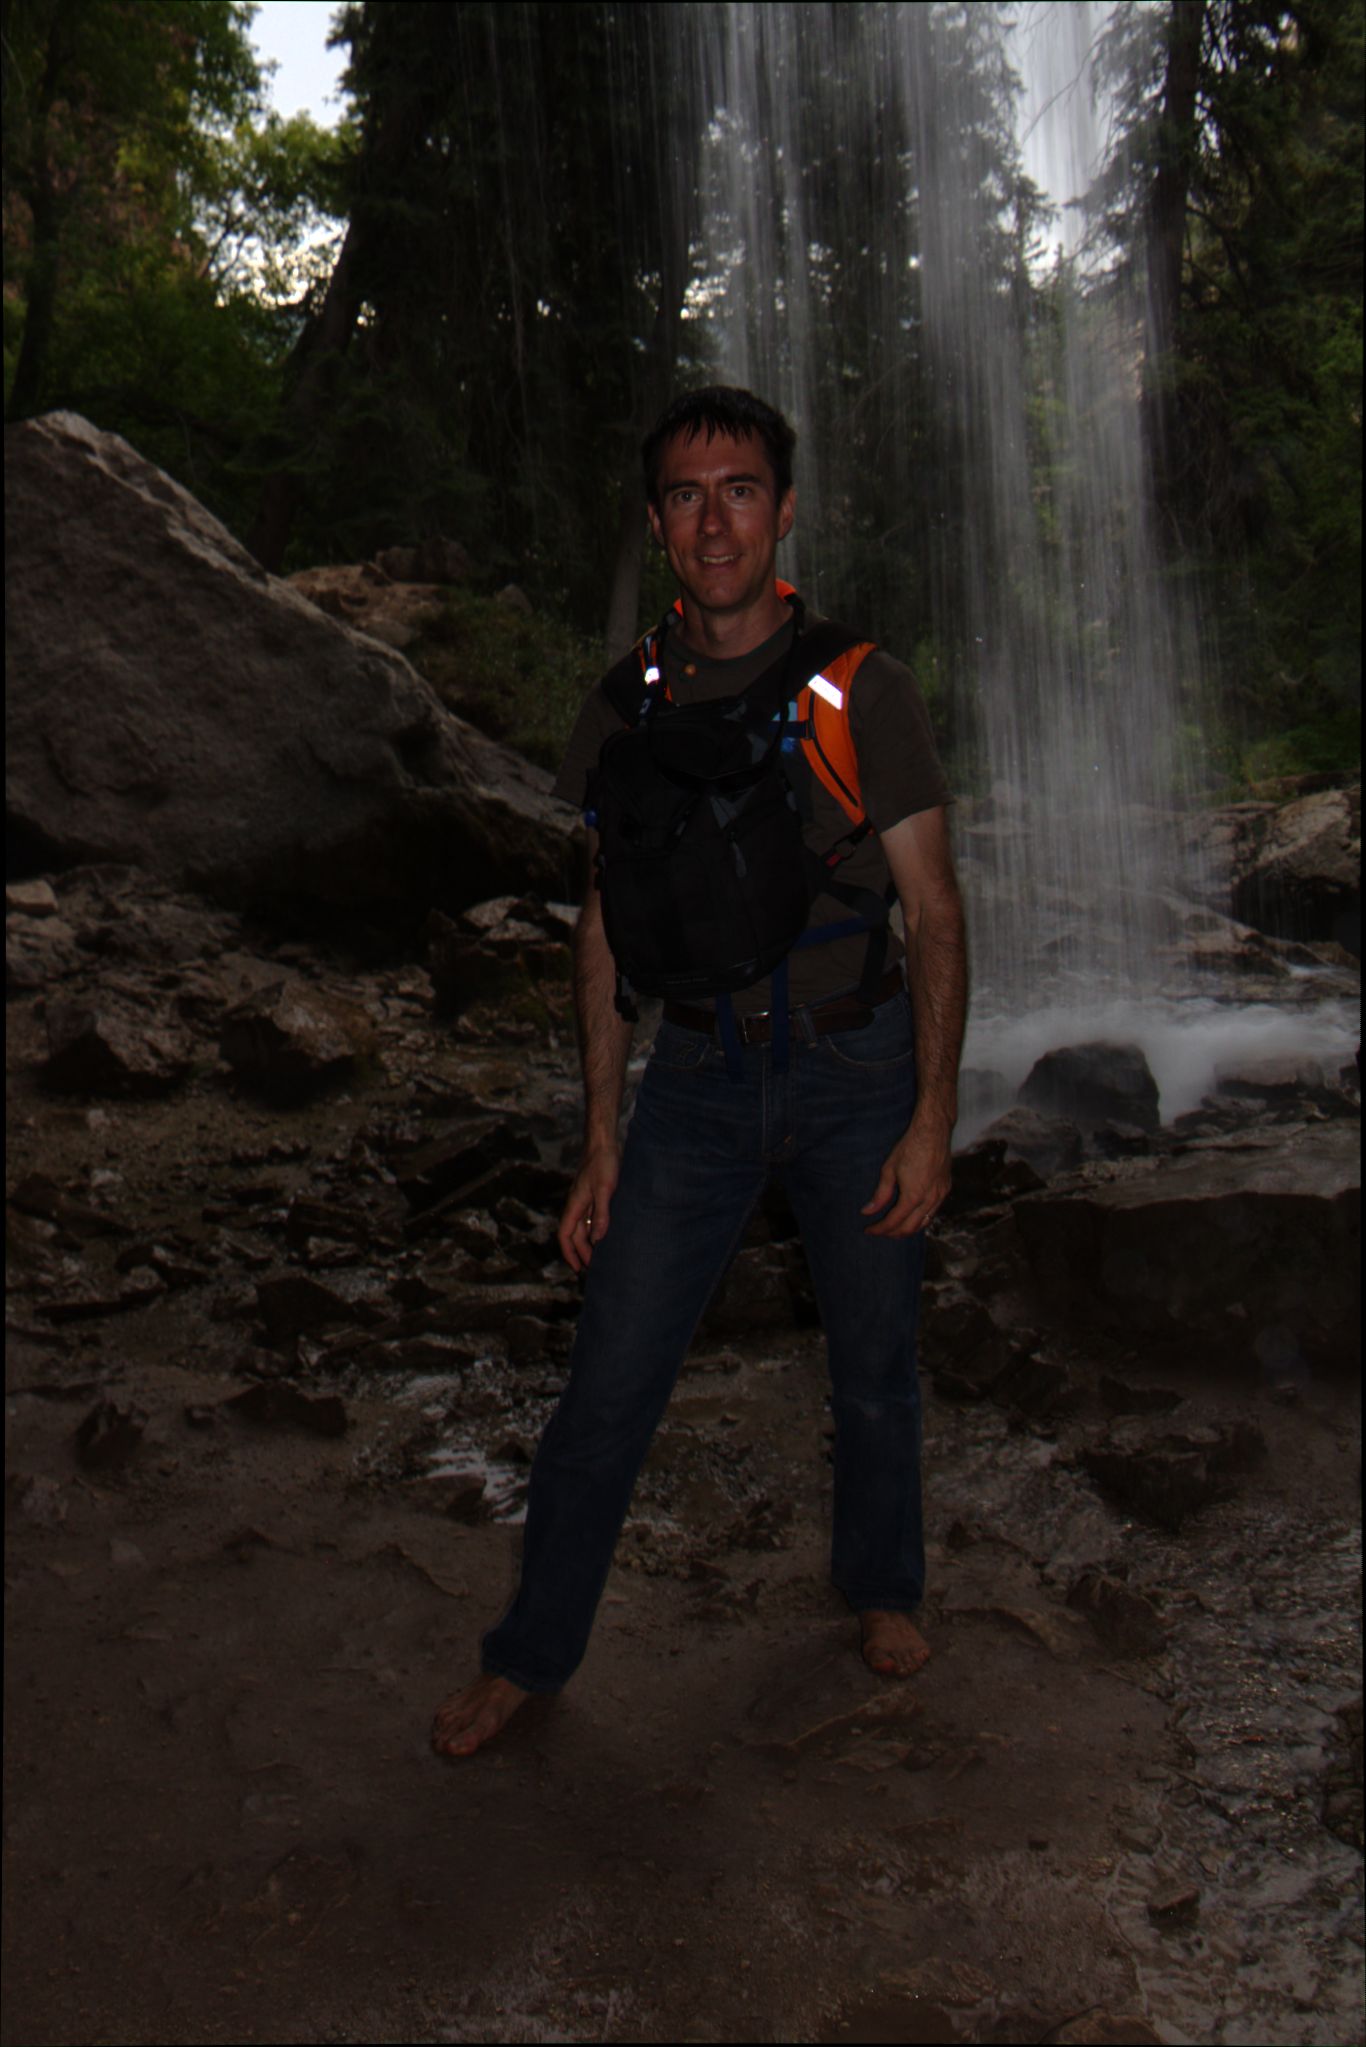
x=227 y=1630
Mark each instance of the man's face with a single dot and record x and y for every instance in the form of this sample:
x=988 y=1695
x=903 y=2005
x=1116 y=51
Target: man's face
x=719 y=521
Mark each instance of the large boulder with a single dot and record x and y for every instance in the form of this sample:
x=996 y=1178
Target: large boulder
x=1305 y=879
x=1244 y=1251
x=172 y=705
x=1291 y=868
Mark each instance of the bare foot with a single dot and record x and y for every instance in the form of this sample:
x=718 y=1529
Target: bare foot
x=467 y=1719
x=892 y=1645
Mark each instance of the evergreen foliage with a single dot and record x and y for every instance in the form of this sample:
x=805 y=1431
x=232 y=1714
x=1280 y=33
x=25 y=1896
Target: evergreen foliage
x=141 y=179
x=1256 y=396
x=457 y=313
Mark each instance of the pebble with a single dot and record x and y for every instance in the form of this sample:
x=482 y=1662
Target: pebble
x=1176 y=1904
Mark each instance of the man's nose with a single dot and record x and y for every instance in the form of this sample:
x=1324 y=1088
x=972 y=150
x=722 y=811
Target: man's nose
x=713 y=512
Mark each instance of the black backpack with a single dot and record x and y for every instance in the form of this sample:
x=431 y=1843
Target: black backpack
x=707 y=882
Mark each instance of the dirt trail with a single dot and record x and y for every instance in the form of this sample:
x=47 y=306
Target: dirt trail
x=224 y=1821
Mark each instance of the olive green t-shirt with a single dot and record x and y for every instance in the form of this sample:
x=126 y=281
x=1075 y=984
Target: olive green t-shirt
x=899 y=774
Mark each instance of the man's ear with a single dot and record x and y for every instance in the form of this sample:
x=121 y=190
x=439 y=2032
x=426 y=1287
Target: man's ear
x=787 y=511
x=656 y=525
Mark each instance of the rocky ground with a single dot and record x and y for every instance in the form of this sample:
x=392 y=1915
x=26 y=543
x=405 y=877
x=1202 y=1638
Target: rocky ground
x=285 y=1319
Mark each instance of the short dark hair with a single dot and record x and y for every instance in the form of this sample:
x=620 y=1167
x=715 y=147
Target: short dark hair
x=721 y=409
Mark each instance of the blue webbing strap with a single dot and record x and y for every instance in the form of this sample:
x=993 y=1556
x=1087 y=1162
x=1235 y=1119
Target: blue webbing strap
x=780 y=1036
x=821 y=934
x=730 y=1037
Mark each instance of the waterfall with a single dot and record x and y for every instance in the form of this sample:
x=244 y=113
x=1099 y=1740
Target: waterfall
x=972 y=486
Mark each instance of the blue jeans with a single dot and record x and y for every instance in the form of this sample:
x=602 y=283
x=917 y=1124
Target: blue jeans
x=698 y=1152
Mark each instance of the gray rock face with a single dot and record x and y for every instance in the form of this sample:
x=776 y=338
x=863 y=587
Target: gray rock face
x=1305 y=880
x=173 y=706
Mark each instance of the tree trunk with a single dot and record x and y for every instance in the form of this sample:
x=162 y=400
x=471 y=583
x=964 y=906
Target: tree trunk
x=40 y=305
x=661 y=357
x=309 y=373
x=623 y=608
x=1175 y=158
x=316 y=358
x=1166 y=234
x=45 y=208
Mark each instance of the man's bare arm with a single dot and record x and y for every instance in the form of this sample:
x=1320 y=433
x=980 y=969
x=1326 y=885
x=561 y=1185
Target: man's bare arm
x=604 y=1048
x=918 y=1171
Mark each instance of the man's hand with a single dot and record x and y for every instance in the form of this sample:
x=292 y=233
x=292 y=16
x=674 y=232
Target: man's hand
x=915 y=1176
x=584 y=1221
x=604 y=1048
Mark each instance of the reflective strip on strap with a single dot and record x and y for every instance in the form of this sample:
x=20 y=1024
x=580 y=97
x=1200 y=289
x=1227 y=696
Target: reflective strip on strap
x=832 y=693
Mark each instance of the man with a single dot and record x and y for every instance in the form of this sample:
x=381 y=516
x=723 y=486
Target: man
x=856 y=1117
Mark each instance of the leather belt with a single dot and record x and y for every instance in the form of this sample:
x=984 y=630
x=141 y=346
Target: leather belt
x=839 y=1013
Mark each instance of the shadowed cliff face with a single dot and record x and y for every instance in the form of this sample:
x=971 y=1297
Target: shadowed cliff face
x=172 y=705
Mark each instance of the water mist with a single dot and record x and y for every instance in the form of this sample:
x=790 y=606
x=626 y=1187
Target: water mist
x=966 y=379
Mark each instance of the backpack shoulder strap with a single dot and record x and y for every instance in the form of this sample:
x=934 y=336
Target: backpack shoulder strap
x=826 y=641
x=624 y=686
x=823 y=714
x=823 y=644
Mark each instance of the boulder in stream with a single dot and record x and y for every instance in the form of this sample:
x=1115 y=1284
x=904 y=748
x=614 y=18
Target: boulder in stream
x=1094 y=1083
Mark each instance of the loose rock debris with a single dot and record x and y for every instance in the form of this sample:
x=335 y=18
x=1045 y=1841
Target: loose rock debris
x=313 y=1347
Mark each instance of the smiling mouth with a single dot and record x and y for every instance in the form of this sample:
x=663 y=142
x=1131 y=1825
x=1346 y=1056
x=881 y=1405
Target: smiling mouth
x=717 y=561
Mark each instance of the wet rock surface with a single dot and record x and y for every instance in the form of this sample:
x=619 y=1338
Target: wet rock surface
x=1262 y=896
x=1094 y=1084
x=1245 y=1242
x=277 y=1366
x=1304 y=877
